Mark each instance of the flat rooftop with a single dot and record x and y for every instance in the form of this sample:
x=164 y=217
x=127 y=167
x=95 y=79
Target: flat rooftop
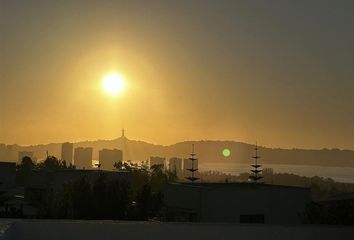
x=238 y=185
x=92 y=230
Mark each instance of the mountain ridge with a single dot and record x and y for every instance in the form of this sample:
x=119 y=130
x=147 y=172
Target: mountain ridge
x=207 y=151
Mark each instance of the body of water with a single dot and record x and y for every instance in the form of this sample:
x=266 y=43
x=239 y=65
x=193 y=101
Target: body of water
x=339 y=174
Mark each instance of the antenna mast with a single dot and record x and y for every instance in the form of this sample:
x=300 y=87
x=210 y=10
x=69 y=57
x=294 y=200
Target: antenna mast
x=192 y=178
x=256 y=168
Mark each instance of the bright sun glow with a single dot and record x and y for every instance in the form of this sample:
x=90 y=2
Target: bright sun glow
x=113 y=83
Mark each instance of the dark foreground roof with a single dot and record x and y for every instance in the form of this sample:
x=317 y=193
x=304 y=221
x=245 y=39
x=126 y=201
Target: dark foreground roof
x=109 y=230
x=239 y=185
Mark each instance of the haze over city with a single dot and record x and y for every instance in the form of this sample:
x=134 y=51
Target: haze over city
x=176 y=119
x=276 y=72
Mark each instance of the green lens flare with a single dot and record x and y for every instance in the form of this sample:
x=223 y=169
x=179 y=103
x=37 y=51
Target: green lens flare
x=226 y=152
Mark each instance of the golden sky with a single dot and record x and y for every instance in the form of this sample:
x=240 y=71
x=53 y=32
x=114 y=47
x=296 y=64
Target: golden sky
x=280 y=73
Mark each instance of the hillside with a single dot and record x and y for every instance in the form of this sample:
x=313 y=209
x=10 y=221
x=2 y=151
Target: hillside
x=207 y=151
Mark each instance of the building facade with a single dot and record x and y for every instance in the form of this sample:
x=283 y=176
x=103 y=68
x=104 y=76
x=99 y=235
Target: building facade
x=175 y=166
x=107 y=158
x=67 y=151
x=83 y=158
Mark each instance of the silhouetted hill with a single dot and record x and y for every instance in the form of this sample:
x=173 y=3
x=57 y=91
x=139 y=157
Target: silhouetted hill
x=207 y=151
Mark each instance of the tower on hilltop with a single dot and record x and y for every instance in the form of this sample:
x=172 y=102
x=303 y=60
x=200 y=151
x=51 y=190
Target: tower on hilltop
x=123 y=134
x=123 y=145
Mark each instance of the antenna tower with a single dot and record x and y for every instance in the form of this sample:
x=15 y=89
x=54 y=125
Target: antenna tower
x=192 y=178
x=256 y=168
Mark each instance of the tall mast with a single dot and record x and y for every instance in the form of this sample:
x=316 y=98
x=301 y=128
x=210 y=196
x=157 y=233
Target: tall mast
x=256 y=168
x=192 y=158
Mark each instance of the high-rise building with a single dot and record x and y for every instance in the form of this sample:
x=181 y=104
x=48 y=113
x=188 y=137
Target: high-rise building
x=23 y=154
x=83 y=158
x=67 y=152
x=107 y=158
x=157 y=161
x=175 y=166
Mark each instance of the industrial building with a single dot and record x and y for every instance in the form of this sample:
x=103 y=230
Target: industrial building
x=107 y=158
x=235 y=202
x=83 y=158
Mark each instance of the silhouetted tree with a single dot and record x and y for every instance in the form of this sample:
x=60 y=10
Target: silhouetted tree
x=159 y=178
x=52 y=163
x=141 y=198
x=24 y=170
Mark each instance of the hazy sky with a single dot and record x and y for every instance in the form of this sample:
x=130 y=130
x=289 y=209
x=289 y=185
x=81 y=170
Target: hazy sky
x=279 y=72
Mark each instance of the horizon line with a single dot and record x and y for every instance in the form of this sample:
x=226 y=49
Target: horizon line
x=167 y=145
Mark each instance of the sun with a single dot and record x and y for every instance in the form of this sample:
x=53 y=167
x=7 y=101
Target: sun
x=113 y=83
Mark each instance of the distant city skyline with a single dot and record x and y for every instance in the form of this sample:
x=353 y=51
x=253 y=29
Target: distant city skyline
x=276 y=72
x=172 y=143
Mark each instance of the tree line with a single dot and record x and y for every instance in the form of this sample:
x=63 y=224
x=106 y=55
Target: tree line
x=138 y=198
